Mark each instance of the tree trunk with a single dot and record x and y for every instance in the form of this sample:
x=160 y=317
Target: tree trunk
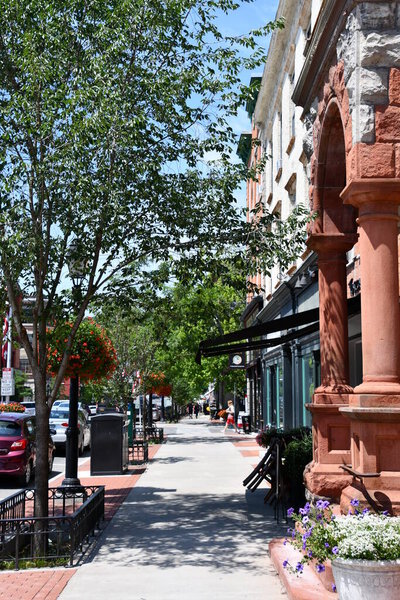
x=162 y=409
x=144 y=416
x=42 y=469
x=150 y=413
x=42 y=448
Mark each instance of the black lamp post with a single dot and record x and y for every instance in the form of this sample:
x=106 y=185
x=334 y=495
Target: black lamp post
x=76 y=270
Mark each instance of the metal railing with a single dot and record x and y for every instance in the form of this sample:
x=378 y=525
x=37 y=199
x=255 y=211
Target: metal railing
x=72 y=520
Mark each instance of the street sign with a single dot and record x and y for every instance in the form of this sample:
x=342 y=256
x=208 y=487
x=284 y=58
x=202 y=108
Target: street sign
x=8 y=373
x=7 y=387
x=237 y=361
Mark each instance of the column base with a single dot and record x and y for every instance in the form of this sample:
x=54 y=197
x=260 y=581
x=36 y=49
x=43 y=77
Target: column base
x=327 y=481
x=378 y=494
x=378 y=388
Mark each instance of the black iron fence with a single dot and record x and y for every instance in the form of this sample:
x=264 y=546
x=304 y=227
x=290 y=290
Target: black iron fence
x=56 y=539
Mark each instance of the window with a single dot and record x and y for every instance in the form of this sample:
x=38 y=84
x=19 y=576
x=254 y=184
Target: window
x=309 y=369
x=24 y=365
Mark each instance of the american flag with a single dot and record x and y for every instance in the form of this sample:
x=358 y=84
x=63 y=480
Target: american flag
x=4 y=343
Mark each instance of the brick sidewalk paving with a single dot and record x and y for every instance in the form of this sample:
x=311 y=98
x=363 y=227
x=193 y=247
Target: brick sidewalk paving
x=47 y=584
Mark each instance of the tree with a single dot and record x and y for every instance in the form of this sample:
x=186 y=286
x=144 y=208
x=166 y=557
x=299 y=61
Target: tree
x=107 y=112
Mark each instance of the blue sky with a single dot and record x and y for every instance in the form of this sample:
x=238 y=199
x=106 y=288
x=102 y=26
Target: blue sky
x=251 y=15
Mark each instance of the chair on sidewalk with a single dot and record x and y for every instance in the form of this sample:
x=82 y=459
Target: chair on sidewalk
x=269 y=469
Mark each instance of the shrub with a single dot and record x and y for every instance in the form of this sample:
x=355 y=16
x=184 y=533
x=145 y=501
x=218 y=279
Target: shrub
x=297 y=455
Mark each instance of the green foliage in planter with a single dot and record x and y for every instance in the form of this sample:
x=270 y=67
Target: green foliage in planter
x=264 y=437
x=297 y=454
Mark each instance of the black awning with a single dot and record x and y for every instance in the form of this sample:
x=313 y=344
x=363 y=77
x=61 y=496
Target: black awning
x=223 y=344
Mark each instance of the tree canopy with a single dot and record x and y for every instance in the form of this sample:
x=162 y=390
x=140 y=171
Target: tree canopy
x=108 y=113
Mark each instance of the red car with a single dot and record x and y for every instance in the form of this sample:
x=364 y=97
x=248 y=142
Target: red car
x=18 y=446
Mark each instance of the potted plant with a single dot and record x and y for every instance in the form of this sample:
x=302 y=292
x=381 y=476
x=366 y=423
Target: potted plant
x=364 y=548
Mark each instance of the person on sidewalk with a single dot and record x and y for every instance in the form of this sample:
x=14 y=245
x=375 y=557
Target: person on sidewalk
x=230 y=411
x=196 y=410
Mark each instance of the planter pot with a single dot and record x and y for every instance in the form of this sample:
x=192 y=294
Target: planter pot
x=367 y=579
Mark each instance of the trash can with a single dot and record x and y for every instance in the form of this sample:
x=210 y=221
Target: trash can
x=246 y=423
x=109 y=444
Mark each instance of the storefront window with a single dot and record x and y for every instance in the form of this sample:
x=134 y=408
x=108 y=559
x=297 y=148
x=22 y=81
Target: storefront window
x=309 y=385
x=279 y=393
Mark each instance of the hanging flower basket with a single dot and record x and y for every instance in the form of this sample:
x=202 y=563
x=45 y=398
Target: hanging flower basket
x=92 y=357
x=158 y=384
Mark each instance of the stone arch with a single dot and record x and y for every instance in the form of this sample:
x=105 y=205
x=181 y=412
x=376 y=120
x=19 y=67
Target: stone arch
x=330 y=178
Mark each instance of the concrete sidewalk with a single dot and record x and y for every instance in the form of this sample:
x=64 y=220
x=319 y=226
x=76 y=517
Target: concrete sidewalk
x=188 y=529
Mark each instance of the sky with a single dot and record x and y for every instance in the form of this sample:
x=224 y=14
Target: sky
x=249 y=16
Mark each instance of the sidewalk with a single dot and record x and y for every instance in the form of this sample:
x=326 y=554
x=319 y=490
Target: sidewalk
x=186 y=530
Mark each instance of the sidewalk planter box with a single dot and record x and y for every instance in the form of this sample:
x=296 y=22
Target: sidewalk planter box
x=109 y=444
x=367 y=579
x=66 y=532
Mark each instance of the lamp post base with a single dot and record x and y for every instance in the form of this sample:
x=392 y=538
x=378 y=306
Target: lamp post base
x=71 y=482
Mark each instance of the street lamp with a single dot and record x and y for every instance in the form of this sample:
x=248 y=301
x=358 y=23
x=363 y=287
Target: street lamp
x=76 y=269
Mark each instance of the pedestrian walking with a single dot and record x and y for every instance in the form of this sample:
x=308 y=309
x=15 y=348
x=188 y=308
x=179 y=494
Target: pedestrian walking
x=230 y=411
x=190 y=410
x=196 y=410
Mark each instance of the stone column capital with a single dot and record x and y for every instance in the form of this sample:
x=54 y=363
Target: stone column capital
x=331 y=243
x=378 y=194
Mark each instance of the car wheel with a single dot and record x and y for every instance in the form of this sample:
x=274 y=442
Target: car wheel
x=27 y=476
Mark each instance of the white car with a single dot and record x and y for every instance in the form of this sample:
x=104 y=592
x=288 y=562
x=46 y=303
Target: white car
x=30 y=407
x=59 y=422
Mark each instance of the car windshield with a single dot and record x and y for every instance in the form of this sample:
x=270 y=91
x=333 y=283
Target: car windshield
x=59 y=414
x=9 y=428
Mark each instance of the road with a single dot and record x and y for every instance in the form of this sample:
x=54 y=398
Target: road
x=9 y=486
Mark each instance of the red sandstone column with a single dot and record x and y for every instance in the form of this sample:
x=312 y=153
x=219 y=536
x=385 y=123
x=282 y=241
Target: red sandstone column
x=378 y=201
x=331 y=250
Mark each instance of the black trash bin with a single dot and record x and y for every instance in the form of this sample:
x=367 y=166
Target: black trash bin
x=109 y=441
x=246 y=423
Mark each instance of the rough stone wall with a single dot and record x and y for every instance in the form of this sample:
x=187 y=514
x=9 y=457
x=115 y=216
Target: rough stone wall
x=364 y=80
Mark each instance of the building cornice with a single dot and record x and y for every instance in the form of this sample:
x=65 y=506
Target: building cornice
x=331 y=21
x=280 y=48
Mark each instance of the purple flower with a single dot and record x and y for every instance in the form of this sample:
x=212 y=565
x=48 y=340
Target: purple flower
x=290 y=512
x=385 y=512
x=309 y=554
x=365 y=511
x=305 y=520
x=285 y=563
x=285 y=542
x=305 y=510
x=322 y=504
x=326 y=545
x=299 y=567
x=335 y=550
x=354 y=502
x=333 y=587
x=320 y=568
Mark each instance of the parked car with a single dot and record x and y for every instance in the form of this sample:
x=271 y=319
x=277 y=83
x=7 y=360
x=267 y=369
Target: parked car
x=93 y=409
x=59 y=422
x=30 y=407
x=18 y=446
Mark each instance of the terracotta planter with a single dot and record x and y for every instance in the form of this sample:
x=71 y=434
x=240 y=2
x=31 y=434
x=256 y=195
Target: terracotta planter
x=367 y=579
